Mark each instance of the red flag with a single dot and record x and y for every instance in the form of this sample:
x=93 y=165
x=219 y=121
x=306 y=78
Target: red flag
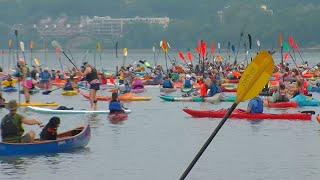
x=112 y=80
x=291 y=41
x=295 y=45
x=181 y=56
x=189 y=56
x=58 y=52
x=203 y=49
x=212 y=48
x=286 y=56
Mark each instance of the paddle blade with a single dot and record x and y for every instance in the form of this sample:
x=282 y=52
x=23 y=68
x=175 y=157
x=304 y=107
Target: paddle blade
x=31 y=44
x=168 y=45
x=291 y=41
x=212 y=48
x=285 y=46
x=46 y=92
x=286 y=56
x=99 y=47
x=250 y=41
x=181 y=56
x=164 y=46
x=189 y=56
x=203 y=49
x=255 y=76
x=258 y=43
x=36 y=61
x=112 y=80
x=146 y=77
x=153 y=49
x=55 y=44
x=146 y=63
x=10 y=43
x=125 y=52
x=58 y=52
x=218 y=45
x=22 y=46
x=295 y=45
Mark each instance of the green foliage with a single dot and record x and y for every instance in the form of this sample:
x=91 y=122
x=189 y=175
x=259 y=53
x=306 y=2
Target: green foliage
x=189 y=21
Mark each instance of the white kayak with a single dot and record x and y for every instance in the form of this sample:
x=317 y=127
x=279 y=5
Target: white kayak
x=56 y=111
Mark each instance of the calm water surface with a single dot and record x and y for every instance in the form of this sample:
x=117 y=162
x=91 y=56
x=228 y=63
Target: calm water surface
x=159 y=140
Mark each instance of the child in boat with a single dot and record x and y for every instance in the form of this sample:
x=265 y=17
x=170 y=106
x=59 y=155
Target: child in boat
x=115 y=105
x=137 y=83
x=125 y=88
x=49 y=132
x=255 y=105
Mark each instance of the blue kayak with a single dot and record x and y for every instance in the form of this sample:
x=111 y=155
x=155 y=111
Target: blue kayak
x=9 y=89
x=141 y=73
x=314 y=89
x=73 y=139
x=302 y=100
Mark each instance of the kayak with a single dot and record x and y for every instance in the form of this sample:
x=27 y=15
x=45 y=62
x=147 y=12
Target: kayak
x=241 y=114
x=290 y=104
x=120 y=98
x=228 y=89
x=199 y=99
x=186 y=90
x=152 y=82
x=141 y=73
x=56 y=111
x=70 y=140
x=167 y=90
x=231 y=80
x=314 y=89
x=70 y=92
x=137 y=90
x=38 y=104
x=102 y=86
x=302 y=100
x=177 y=84
x=117 y=116
x=9 y=89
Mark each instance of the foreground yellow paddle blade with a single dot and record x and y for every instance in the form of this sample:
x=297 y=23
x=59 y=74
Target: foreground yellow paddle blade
x=255 y=76
x=36 y=61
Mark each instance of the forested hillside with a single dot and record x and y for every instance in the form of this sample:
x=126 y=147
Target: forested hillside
x=189 y=20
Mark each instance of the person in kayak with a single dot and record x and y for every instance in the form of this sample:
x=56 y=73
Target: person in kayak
x=125 y=88
x=9 y=82
x=49 y=132
x=212 y=87
x=137 y=83
x=68 y=85
x=167 y=82
x=45 y=77
x=91 y=75
x=279 y=96
x=255 y=105
x=11 y=126
x=115 y=105
x=187 y=82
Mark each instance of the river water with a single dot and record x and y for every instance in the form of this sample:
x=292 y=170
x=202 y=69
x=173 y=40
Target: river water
x=159 y=140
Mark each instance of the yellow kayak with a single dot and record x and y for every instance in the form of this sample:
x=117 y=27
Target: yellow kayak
x=70 y=93
x=39 y=104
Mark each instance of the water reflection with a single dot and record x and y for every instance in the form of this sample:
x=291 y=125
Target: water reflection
x=255 y=124
x=13 y=165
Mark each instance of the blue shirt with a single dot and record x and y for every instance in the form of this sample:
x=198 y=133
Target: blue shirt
x=256 y=105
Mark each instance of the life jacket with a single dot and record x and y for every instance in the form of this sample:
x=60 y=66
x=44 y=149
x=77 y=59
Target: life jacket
x=68 y=86
x=166 y=84
x=203 y=90
x=187 y=83
x=214 y=90
x=11 y=129
x=259 y=107
x=104 y=81
x=138 y=82
x=115 y=106
x=45 y=76
x=282 y=96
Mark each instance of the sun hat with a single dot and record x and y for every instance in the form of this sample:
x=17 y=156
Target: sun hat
x=12 y=105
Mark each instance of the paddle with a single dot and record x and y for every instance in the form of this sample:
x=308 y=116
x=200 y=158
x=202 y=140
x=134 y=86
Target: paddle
x=55 y=44
x=22 y=49
x=48 y=92
x=58 y=54
x=45 y=53
x=251 y=83
x=31 y=45
x=17 y=51
x=125 y=53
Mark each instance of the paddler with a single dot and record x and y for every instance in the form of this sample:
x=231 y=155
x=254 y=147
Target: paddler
x=167 y=82
x=255 y=105
x=11 y=126
x=136 y=82
x=115 y=105
x=281 y=95
x=9 y=82
x=91 y=75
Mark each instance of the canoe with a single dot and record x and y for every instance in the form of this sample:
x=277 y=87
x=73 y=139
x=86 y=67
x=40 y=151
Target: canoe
x=168 y=90
x=39 y=104
x=67 y=141
x=117 y=116
x=228 y=89
x=318 y=118
x=137 y=90
x=56 y=111
x=198 y=99
x=241 y=114
x=70 y=93
x=120 y=98
x=290 y=104
x=9 y=89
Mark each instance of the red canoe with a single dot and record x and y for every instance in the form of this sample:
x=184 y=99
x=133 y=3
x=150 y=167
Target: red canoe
x=241 y=114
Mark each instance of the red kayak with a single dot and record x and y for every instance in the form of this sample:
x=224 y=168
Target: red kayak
x=117 y=116
x=290 y=104
x=241 y=114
